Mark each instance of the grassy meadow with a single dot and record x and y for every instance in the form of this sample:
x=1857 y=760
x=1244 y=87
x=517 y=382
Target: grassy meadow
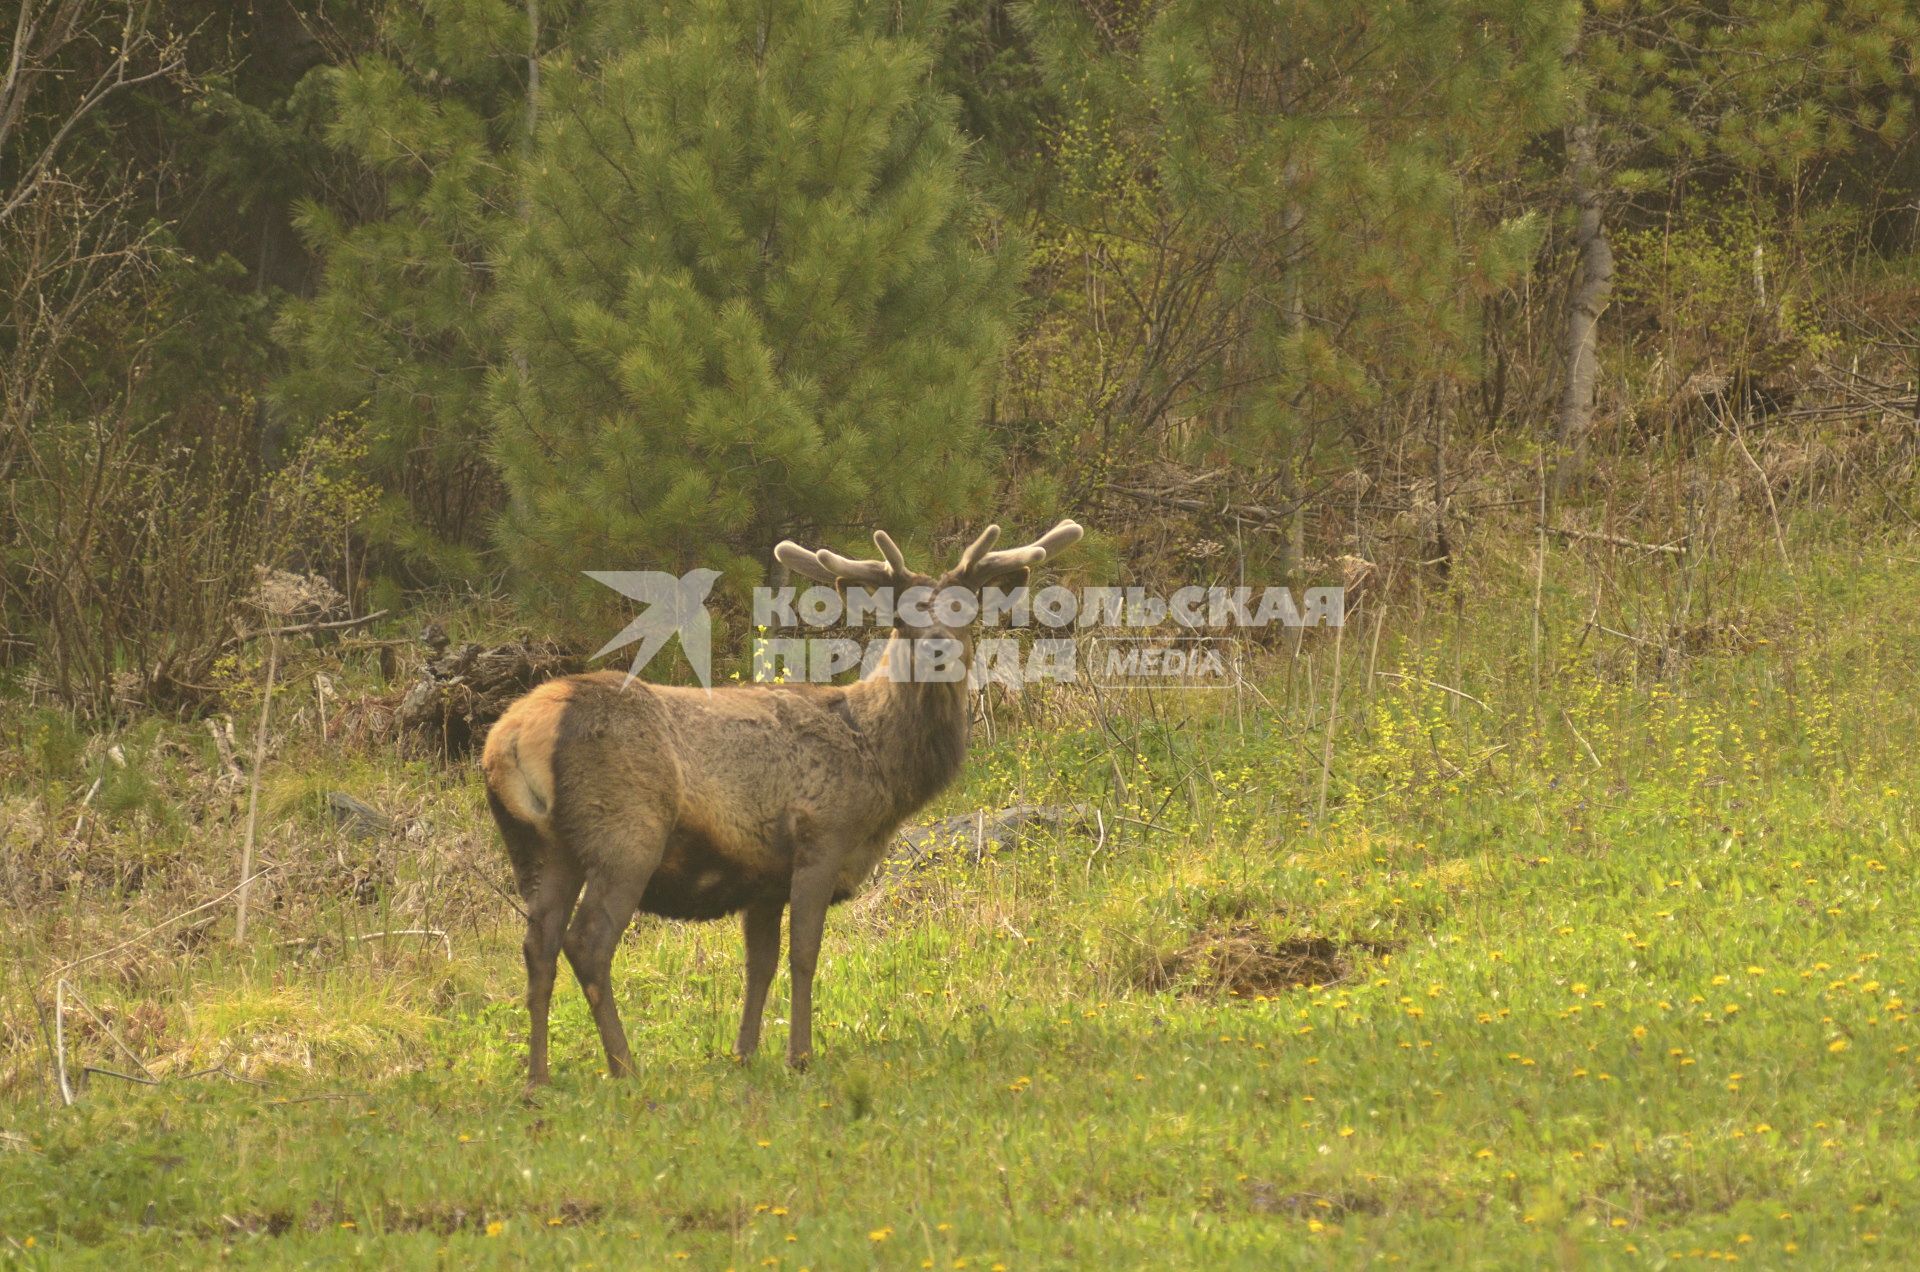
x=1590 y=944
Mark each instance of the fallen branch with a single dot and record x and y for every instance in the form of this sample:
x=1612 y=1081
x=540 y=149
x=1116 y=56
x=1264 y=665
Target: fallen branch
x=124 y=1077
x=983 y=833
x=107 y=1029
x=1435 y=684
x=302 y=629
x=1252 y=513
x=1638 y=640
x=431 y=933
x=1676 y=548
x=461 y=692
x=223 y=1071
x=1581 y=738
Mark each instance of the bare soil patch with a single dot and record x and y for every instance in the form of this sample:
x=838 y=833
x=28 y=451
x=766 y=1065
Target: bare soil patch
x=1241 y=961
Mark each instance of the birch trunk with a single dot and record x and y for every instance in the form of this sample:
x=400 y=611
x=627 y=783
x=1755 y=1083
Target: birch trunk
x=1592 y=286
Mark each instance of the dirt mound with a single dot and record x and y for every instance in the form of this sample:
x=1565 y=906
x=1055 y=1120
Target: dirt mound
x=1241 y=961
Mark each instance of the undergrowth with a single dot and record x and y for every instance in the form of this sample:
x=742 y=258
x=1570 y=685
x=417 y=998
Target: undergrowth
x=1599 y=952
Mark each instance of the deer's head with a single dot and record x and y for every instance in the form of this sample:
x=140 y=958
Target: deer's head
x=927 y=608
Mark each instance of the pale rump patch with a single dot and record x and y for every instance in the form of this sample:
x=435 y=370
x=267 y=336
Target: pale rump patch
x=518 y=759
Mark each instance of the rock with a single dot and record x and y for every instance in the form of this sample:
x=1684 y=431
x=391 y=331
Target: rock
x=359 y=819
x=983 y=834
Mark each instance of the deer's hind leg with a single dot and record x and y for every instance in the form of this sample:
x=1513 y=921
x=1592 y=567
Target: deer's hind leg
x=549 y=882
x=600 y=920
x=549 y=903
x=620 y=858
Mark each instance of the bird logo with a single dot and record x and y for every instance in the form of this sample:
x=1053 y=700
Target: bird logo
x=673 y=605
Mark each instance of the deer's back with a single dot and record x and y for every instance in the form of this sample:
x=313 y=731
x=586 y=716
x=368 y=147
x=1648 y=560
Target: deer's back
x=706 y=789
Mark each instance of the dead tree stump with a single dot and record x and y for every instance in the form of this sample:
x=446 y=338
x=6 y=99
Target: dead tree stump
x=461 y=691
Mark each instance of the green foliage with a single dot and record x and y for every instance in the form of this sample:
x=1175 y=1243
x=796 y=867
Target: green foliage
x=986 y=61
x=398 y=333
x=1318 y=202
x=1697 y=289
x=748 y=300
x=1625 y=973
x=1753 y=88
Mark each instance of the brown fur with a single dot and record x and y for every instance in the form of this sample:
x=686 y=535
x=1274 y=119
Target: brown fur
x=691 y=804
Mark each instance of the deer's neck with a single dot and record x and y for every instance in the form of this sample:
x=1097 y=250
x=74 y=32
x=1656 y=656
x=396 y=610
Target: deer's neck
x=918 y=730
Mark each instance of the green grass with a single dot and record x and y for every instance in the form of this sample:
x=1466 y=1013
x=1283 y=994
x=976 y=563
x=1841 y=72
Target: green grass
x=1627 y=969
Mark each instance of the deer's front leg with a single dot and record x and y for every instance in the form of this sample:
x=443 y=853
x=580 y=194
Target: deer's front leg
x=813 y=880
x=761 y=924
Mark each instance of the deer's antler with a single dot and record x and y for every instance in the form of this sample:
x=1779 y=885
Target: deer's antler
x=825 y=566
x=980 y=565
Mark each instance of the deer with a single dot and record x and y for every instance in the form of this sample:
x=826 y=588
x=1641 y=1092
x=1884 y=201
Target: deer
x=614 y=795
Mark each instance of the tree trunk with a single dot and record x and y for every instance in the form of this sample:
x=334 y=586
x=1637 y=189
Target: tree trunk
x=1592 y=286
x=533 y=129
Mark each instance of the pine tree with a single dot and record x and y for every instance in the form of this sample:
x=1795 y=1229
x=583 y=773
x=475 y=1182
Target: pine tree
x=748 y=300
x=1303 y=215
x=398 y=335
